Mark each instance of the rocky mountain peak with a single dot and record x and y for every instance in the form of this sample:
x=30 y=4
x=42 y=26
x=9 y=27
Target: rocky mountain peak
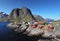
x=24 y=14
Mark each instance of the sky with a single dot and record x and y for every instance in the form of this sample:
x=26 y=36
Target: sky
x=44 y=8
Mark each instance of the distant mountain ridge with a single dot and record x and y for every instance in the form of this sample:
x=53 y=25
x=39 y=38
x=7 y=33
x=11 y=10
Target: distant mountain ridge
x=49 y=20
x=3 y=16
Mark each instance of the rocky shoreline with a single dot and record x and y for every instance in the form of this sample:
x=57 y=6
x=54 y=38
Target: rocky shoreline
x=26 y=30
x=32 y=32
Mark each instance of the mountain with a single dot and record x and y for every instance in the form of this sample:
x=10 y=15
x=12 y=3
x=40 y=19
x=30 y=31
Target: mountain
x=3 y=16
x=49 y=20
x=39 y=18
x=24 y=14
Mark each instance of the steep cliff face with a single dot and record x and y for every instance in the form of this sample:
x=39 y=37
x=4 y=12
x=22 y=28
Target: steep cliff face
x=24 y=14
x=14 y=13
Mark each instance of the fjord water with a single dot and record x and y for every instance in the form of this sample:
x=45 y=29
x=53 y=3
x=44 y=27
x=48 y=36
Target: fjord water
x=6 y=33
